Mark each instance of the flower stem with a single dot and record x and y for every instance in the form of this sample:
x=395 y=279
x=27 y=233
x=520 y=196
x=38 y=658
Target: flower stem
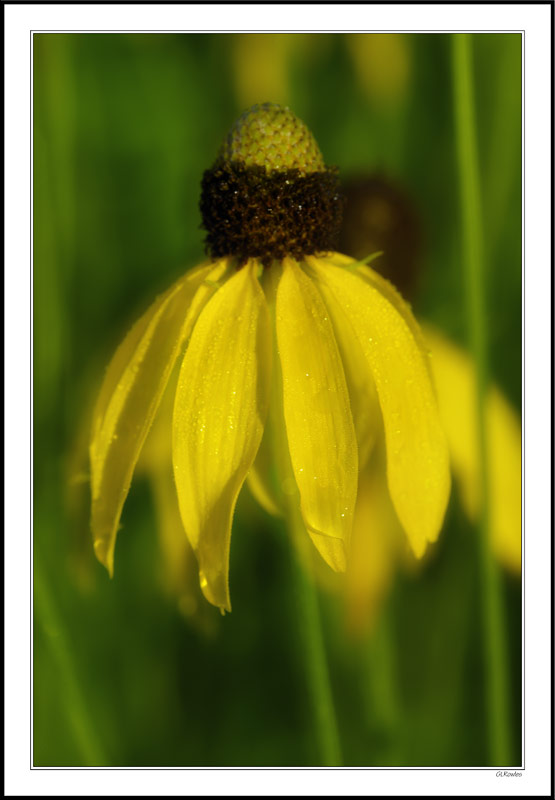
x=312 y=641
x=473 y=251
x=380 y=695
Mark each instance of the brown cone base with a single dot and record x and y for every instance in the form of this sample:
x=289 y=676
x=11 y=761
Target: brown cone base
x=250 y=213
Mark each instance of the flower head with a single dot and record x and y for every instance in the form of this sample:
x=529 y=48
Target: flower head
x=275 y=321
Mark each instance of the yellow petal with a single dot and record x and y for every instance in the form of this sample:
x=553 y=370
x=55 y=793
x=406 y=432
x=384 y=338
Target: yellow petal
x=455 y=377
x=178 y=572
x=387 y=289
x=318 y=420
x=360 y=384
x=130 y=395
x=220 y=409
x=156 y=453
x=417 y=456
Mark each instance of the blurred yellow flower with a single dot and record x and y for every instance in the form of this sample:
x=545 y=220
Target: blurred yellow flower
x=383 y=64
x=274 y=300
x=378 y=546
x=260 y=63
x=263 y=63
x=455 y=380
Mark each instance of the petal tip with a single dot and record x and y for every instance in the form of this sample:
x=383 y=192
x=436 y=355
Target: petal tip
x=105 y=554
x=331 y=549
x=216 y=592
x=427 y=534
x=418 y=547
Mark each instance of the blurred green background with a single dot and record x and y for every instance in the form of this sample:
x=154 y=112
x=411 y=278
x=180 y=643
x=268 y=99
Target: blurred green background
x=124 y=126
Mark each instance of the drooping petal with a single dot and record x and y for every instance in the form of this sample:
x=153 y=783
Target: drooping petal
x=455 y=378
x=360 y=384
x=179 y=567
x=156 y=453
x=130 y=395
x=220 y=409
x=417 y=455
x=386 y=288
x=320 y=431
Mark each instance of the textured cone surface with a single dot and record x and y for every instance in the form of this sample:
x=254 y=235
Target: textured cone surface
x=269 y=194
x=271 y=136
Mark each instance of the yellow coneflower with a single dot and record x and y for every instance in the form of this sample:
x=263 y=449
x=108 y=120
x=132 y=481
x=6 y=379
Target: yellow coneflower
x=274 y=305
x=455 y=380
